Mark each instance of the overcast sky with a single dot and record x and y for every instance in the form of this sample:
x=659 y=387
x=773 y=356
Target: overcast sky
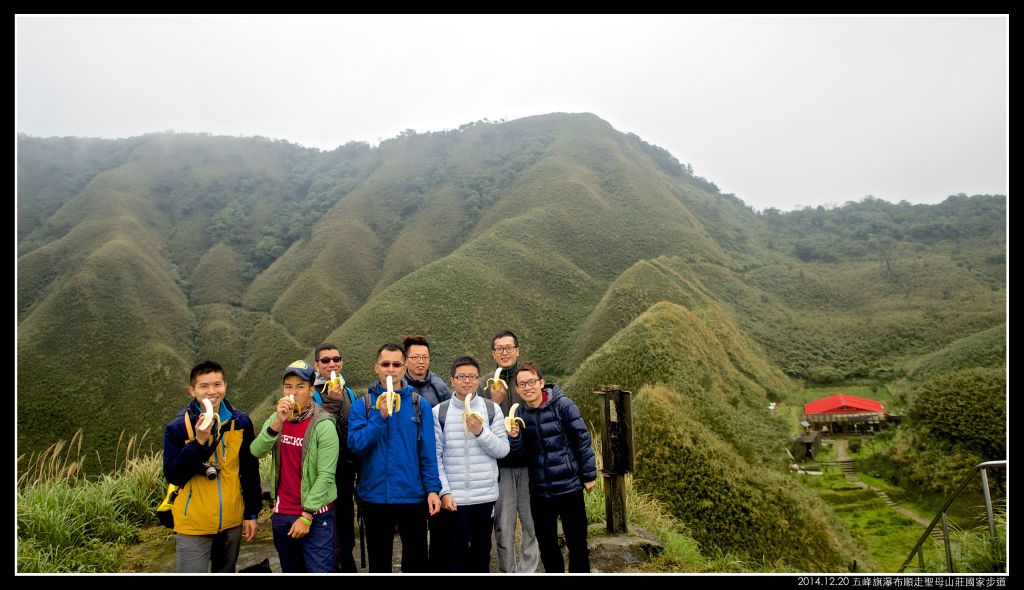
x=781 y=111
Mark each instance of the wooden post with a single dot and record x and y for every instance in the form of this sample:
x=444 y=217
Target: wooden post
x=616 y=453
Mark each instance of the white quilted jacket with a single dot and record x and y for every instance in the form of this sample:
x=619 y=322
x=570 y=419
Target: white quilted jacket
x=467 y=463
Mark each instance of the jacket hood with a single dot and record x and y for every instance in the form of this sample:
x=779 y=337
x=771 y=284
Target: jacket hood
x=554 y=392
x=417 y=383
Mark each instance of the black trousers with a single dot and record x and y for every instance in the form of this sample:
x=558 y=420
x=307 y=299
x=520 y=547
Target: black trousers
x=573 y=512
x=344 y=521
x=463 y=539
x=380 y=521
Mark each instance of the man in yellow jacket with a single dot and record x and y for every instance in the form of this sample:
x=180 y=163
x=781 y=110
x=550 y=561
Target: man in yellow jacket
x=220 y=496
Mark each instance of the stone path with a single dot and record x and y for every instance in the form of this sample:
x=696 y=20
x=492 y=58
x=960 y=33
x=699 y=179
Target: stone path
x=846 y=465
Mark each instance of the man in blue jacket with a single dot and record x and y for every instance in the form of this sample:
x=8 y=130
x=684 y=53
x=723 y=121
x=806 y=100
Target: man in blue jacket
x=562 y=465
x=398 y=481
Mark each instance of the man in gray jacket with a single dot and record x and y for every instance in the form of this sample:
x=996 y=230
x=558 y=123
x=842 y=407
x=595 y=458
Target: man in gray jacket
x=418 y=373
x=467 y=452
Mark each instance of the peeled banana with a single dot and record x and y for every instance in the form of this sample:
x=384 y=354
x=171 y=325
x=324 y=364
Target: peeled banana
x=512 y=418
x=392 y=399
x=336 y=381
x=207 y=417
x=495 y=381
x=296 y=408
x=467 y=412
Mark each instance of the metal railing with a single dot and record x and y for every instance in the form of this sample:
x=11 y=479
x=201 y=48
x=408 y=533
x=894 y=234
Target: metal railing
x=941 y=516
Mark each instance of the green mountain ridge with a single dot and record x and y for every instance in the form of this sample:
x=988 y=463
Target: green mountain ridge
x=612 y=261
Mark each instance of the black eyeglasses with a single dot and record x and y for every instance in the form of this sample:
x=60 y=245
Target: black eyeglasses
x=330 y=359
x=386 y=364
x=501 y=349
x=527 y=384
x=463 y=377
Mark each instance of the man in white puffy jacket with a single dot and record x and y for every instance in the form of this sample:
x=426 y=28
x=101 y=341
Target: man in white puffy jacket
x=467 y=452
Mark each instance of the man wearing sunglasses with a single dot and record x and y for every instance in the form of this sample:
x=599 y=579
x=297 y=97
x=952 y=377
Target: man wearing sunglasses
x=337 y=400
x=398 y=481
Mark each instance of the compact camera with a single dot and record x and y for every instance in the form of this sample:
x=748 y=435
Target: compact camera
x=210 y=470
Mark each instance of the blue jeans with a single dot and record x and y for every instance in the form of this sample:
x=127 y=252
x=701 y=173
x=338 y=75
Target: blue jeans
x=312 y=553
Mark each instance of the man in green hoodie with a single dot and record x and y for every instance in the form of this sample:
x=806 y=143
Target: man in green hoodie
x=304 y=440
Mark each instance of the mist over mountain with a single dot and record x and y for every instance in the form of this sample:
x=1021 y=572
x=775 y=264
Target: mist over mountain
x=612 y=261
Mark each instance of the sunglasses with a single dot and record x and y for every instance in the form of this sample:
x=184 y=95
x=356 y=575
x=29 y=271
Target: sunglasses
x=330 y=359
x=387 y=364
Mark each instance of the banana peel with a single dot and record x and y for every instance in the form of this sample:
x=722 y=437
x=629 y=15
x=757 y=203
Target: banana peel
x=296 y=408
x=336 y=381
x=467 y=412
x=512 y=419
x=207 y=417
x=389 y=397
x=496 y=381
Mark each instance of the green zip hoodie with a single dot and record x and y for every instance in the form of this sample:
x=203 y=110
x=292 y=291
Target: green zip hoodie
x=319 y=458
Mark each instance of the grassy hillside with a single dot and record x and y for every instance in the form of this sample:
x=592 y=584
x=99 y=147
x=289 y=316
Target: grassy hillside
x=702 y=421
x=986 y=348
x=103 y=326
x=53 y=171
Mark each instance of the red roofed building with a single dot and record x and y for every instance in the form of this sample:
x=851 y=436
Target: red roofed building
x=844 y=413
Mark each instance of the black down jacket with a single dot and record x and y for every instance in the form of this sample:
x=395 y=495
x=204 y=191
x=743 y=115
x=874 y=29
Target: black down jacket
x=557 y=445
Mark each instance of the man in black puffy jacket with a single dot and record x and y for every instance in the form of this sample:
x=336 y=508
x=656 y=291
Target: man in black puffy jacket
x=562 y=465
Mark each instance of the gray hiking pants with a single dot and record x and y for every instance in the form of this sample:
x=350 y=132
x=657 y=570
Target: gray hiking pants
x=200 y=554
x=513 y=500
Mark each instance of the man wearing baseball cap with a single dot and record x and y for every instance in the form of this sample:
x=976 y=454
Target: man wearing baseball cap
x=304 y=441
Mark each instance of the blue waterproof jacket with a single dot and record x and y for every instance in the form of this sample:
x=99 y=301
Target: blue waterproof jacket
x=557 y=445
x=397 y=455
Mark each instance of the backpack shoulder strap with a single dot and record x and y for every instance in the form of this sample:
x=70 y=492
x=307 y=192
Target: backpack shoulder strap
x=368 y=403
x=490 y=412
x=188 y=427
x=442 y=411
x=417 y=416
